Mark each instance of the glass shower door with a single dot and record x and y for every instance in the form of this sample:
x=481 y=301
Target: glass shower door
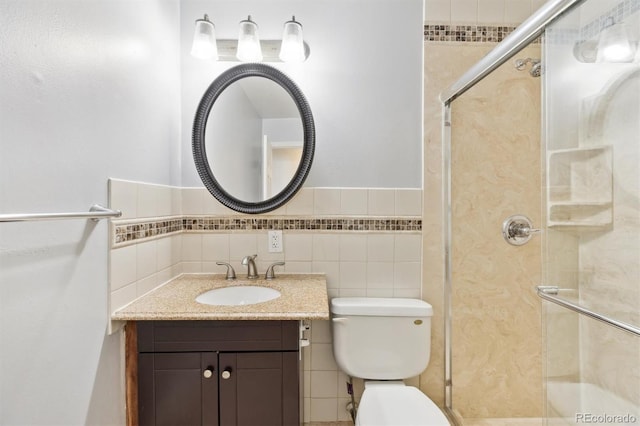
x=591 y=257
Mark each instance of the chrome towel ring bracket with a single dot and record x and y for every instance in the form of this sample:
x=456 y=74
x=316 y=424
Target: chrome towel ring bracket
x=518 y=230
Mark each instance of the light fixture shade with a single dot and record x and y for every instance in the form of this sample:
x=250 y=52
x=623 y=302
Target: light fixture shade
x=614 y=44
x=249 y=49
x=204 y=40
x=292 y=47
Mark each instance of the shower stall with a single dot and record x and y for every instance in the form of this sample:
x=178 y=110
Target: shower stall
x=541 y=177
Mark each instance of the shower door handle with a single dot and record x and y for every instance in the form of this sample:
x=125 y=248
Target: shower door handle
x=518 y=230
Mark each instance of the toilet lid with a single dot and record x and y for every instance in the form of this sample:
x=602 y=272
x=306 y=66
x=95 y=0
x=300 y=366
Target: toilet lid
x=398 y=406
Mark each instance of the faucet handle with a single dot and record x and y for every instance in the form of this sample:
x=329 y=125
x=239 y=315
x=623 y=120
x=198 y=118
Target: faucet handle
x=231 y=273
x=270 y=274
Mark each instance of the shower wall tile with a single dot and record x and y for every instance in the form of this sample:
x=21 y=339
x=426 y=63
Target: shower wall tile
x=437 y=10
x=516 y=11
x=479 y=12
x=491 y=11
x=497 y=339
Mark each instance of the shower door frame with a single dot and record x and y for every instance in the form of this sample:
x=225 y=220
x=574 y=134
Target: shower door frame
x=520 y=38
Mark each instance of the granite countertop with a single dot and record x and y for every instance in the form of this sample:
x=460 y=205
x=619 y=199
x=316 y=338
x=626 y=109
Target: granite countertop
x=304 y=296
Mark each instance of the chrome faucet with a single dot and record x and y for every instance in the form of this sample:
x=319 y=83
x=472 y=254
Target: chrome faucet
x=231 y=273
x=270 y=275
x=249 y=262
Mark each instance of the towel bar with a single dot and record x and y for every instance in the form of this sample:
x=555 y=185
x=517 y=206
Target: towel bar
x=95 y=213
x=548 y=292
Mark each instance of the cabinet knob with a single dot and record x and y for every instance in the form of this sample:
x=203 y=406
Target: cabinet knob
x=208 y=373
x=226 y=373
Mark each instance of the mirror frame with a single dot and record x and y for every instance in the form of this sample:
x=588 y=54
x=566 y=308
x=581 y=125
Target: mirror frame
x=200 y=126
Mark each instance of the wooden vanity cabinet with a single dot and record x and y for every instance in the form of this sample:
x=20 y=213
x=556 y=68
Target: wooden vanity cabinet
x=243 y=373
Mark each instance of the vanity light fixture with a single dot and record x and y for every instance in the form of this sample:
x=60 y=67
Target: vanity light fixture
x=204 y=40
x=614 y=44
x=249 y=47
x=292 y=47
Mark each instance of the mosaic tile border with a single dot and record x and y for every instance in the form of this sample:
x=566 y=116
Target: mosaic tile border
x=467 y=33
x=619 y=13
x=497 y=33
x=137 y=231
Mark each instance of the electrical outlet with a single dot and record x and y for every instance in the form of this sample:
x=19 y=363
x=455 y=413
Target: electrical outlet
x=275 y=241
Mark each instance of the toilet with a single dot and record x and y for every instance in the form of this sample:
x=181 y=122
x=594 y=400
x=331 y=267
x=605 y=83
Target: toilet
x=386 y=340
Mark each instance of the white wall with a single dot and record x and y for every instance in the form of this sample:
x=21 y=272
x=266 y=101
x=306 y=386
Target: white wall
x=88 y=89
x=363 y=81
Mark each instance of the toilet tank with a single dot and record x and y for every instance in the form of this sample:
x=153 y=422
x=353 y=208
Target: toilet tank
x=381 y=338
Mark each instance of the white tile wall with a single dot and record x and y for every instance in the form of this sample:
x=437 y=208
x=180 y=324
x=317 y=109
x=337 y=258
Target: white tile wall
x=479 y=12
x=356 y=264
x=464 y=11
x=326 y=201
x=353 y=201
x=381 y=202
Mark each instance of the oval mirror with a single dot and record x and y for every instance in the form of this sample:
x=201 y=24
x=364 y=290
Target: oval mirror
x=253 y=138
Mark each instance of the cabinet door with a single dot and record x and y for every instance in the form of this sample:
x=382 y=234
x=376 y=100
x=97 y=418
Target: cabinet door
x=178 y=389
x=260 y=389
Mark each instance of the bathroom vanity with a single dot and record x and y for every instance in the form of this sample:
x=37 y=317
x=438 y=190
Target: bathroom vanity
x=192 y=363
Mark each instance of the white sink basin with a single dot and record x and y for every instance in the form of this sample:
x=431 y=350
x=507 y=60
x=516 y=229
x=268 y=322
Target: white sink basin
x=238 y=295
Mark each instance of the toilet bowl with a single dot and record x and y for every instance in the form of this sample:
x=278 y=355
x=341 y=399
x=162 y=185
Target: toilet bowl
x=394 y=403
x=386 y=340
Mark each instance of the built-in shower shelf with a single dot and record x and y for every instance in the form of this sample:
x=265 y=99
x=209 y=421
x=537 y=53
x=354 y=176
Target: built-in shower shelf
x=580 y=193
x=581 y=204
x=580 y=149
x=579 y=229
x=587 y=216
